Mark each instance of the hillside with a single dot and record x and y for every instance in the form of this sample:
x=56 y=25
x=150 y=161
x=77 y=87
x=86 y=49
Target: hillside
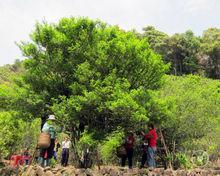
x=187 y=106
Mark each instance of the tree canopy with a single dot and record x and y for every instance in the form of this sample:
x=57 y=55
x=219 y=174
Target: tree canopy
x=91 y=73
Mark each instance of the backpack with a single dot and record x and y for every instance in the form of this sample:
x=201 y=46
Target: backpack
x=121 y=151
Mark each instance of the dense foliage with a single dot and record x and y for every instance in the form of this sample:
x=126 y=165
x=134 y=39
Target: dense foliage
x=101 y=81
x=91 y=74
x=193 y=112
x=211 y=47
x=186 y=52
x=16 y=134
x=14 y=131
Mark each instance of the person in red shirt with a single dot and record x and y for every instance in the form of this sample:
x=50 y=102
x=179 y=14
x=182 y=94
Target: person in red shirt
x=149 y=152
x=129 y=146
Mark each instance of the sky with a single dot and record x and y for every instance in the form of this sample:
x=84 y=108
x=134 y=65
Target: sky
x=18 y=17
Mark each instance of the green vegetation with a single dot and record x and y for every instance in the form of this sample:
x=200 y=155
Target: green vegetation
x=191 y=107
x=16 y=134
x=187 y=53
x=101 y=82
x=193 y=112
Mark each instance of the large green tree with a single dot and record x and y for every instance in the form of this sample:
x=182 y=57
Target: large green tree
x=91 y=74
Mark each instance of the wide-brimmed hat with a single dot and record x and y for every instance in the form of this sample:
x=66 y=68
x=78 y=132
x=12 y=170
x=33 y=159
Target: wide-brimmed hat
x=51 y=117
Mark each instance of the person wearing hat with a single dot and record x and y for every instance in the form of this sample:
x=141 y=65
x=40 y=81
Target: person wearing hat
x=47 y=154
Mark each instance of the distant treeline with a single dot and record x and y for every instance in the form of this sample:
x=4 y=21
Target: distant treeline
x=187 y=53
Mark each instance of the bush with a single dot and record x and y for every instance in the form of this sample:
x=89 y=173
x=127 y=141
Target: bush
x=183 y=161
x=108 y=147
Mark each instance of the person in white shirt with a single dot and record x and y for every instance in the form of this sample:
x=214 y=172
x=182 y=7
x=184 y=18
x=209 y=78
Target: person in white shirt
x=65 y=151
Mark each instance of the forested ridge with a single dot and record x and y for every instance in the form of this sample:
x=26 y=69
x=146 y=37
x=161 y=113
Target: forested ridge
x=101 y=82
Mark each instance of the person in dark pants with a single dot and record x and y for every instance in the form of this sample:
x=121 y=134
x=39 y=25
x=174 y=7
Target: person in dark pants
x=129 y=146
x=144 y=154
x=48 y=153
x=65 y=151
x=149 y=152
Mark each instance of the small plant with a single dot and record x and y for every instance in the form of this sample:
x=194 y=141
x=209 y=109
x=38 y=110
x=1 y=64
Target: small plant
x=184 y=161
x=53 y=163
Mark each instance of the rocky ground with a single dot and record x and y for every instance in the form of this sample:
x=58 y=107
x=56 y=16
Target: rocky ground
x=103 y=171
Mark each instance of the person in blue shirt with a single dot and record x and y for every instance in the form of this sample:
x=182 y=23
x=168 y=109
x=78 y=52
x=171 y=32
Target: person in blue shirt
x=51 y=128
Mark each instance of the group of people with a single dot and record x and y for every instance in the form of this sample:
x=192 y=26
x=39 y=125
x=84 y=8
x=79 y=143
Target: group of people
x=46 y=154
x=149 y=147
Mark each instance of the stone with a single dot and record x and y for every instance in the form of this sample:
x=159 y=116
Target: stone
x=54 y=170
x=104 y=171
x=30 y=171
x=89 y=172
x=49 y=173
x=58 y=174
x=151 y=174
x=123 y=169
x=68 y=171
x=198 y=174
x=80 y=172
x=127 y=174
x=194 y=173
x=216 y=168
x=181 y=173
x=39 y=171
x=58 y=167
x=114 y=172
x=47 y=168
x=197 y=170
x=143 y=171
x=151 y=168
x=216 y=172
x=108 y=171
x=158 y=170
x=168 y=172
x=204 y=173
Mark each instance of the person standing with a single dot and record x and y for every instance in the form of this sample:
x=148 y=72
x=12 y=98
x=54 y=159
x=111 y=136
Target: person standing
x=65 y=151
x=129 y=146
x=48 y=153
x=150 y=151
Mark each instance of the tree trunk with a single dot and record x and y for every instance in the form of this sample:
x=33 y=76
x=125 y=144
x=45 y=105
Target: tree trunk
x=43 y=120
x=166 y=148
